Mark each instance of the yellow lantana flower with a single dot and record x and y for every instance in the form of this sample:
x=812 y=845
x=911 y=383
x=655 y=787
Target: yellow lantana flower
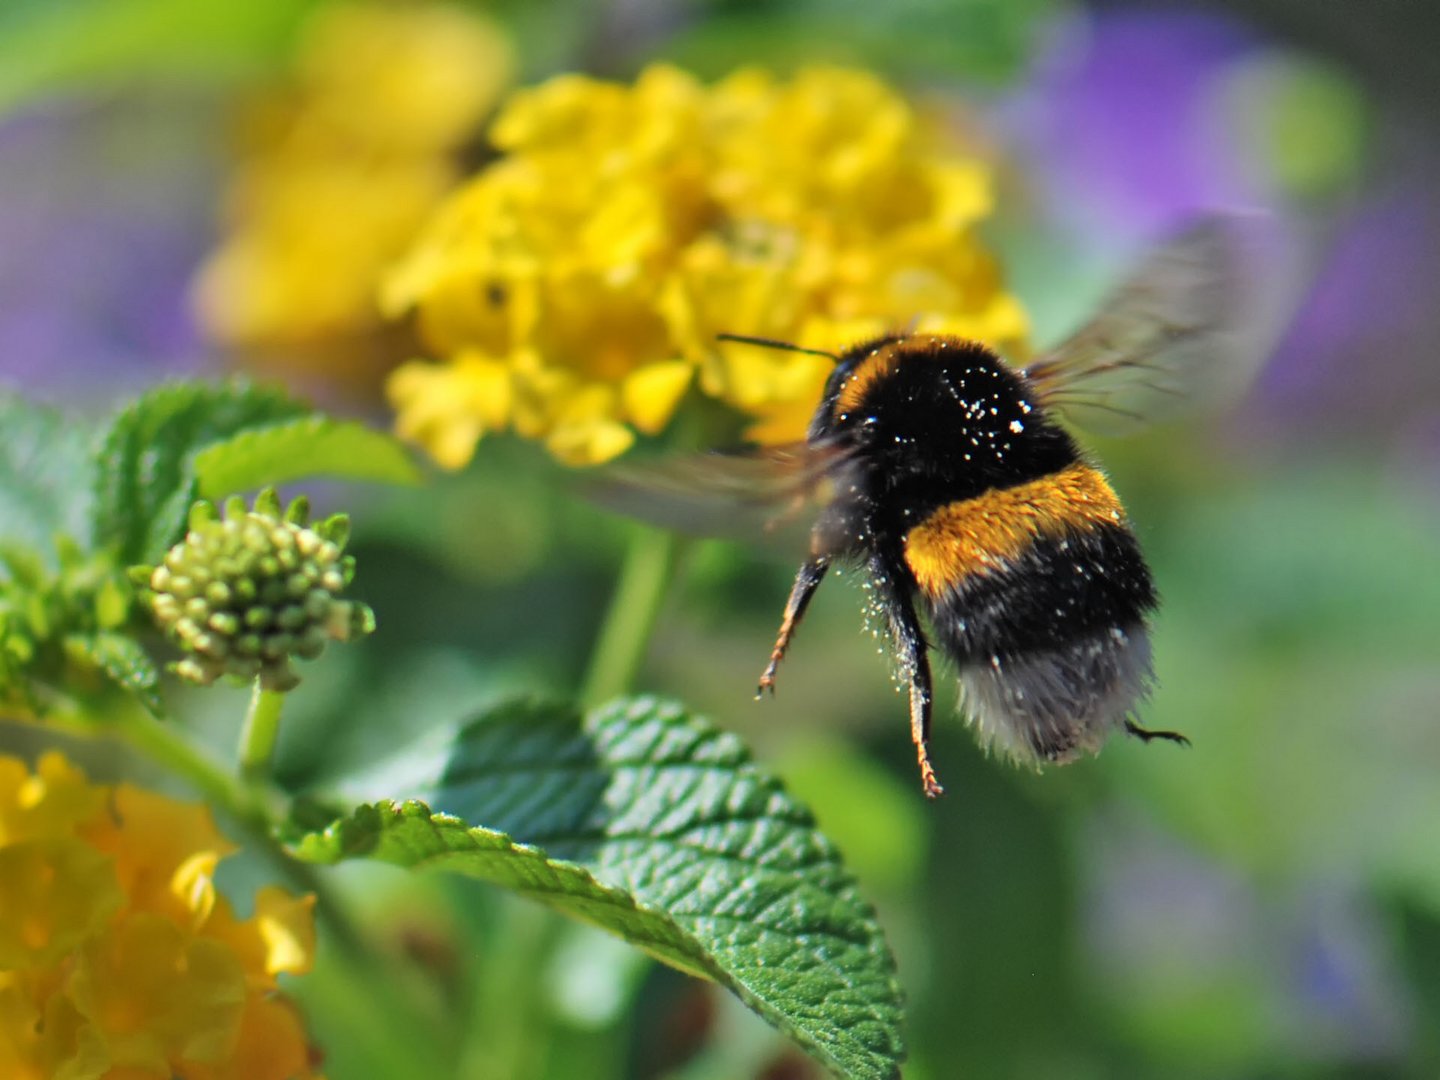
x=343 y=169
x=573 y=289
x=118 y=957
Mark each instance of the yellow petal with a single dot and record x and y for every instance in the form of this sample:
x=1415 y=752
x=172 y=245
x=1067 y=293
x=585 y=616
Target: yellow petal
x=279 y=937
x=287 y=926
x=20 y=1034
x=54 y=894
x=447 y=408
x=542 y=394
x=486 y=389
x=589 y=442
x=119 y=960
x=651 y=394
x=42 y=1037
x=53 y=801
x=963 y=191
x=626 y=226
x=271 y=1045
x=154 y=997
x=193 y=885
x=1002 y=324
x=409 y=77
x=150 y=837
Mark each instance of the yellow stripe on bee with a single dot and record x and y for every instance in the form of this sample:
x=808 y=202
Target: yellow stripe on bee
x=876 y=367
x=981 y=534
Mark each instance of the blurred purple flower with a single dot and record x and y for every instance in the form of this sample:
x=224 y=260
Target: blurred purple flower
x=1117 y=124
x=1170 y=926
x=107 y=208
x=1359 y=352
x=1135 y=121
x=1344 y=1001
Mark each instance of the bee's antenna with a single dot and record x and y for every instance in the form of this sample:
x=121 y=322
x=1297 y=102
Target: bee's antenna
x=771 y=343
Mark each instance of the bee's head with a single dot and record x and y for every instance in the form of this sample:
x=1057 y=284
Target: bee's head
x=938 y=406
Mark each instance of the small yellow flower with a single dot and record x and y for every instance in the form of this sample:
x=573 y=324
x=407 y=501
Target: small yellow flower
x=271 y=1043
x=345 y=168
x=54 y=893
x=157 y=995
x=573 y=290
x=53 y=801
x=118 y=958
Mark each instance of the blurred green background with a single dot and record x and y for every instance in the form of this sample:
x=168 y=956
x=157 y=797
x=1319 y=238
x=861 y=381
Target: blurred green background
x=1266 y=904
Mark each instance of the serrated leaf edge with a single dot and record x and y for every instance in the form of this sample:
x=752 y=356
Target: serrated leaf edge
x=706 y=968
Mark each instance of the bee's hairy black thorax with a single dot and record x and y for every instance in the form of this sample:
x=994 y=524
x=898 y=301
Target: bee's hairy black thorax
x=935 y=420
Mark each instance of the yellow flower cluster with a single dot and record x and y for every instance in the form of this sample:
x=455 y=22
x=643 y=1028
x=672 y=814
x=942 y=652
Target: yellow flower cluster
x=344 y=167
x=573 y=289
x=118 y=958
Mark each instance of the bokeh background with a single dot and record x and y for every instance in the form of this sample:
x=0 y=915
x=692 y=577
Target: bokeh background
x=1265 y=904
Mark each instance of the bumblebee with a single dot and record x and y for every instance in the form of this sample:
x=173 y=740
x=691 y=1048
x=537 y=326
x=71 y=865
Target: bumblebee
x=963 y=497
x=947 y=477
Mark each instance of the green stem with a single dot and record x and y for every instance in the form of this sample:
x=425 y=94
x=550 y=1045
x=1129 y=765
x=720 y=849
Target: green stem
x=161 y=742
x=260 y=733
x=645 y=577
x=507 y=1033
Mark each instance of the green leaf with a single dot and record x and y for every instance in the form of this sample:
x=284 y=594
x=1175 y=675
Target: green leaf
x=1297 y=649
x=46 y=45
x=44 y=474
x=309 y=446
x=654 y=825
x=22 y=565
x=985 y=40
x=125 y=662
x=144 y=483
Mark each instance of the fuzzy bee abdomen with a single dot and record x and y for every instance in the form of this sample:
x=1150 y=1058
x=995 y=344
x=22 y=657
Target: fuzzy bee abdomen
x=1039 y=595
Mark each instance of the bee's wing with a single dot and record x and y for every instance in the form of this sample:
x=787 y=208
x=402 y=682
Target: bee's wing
x=1190 y=324
x=730 y=495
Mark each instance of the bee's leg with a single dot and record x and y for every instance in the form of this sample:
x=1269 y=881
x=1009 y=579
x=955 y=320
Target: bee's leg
x=915 y=663
x=1147 y=734
x=812 y=572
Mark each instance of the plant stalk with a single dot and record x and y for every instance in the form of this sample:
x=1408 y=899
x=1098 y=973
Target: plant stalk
x=260 y=733
x=645 y=577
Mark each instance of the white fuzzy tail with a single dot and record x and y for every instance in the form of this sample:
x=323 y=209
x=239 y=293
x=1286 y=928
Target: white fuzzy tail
x=1052 y=706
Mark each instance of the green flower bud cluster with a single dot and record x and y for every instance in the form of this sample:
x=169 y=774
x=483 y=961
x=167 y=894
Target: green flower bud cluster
x=245 y=594
x=56 y=624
